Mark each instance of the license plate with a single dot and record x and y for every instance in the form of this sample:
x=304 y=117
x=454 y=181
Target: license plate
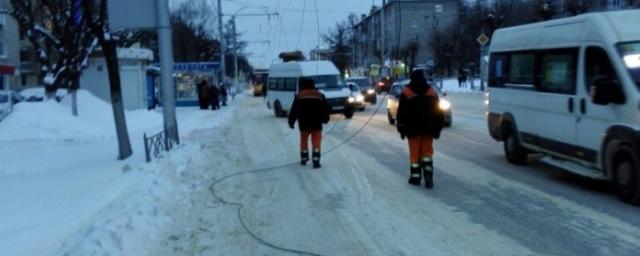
x=338 y=107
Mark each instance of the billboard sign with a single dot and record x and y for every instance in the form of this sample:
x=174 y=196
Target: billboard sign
x=128 y=14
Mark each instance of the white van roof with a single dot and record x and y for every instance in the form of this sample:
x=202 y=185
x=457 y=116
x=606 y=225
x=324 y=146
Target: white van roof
x=605 y=27
x=303 y=68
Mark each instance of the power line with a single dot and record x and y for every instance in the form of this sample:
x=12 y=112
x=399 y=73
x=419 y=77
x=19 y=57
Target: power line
x=304 y=6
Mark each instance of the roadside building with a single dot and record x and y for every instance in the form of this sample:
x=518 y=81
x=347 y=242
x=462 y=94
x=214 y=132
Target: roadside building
x=400 y=30
x=134 y=64
x=9 y=52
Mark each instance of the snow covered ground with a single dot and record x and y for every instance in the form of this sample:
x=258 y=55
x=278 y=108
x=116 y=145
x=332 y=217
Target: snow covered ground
x=63 y=192
x=451 y=85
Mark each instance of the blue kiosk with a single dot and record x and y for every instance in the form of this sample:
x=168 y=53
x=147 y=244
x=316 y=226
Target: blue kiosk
x=186 y=76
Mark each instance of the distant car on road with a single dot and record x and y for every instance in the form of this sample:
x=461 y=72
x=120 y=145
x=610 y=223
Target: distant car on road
x=384 y=84
x=259 y=81
x=356 y=99
x=366 y=88
x=394 y=98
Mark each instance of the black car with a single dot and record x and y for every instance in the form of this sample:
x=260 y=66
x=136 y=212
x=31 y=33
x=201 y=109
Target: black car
x=367 y=90
x=384 y=84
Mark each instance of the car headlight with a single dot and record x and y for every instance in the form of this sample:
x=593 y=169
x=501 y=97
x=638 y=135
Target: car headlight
x=351 y=99
x=445 y=105
x=371 y=91
x=632 y=60
x=360 y=98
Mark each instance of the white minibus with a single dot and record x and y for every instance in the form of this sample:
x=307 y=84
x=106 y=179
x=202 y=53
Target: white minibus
x=284 y=80
x=570 y=89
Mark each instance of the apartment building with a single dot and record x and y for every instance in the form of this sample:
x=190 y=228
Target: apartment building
x=401 y=28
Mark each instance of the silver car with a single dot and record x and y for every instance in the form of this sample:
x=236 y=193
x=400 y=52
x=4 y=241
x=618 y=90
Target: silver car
x=394 y=98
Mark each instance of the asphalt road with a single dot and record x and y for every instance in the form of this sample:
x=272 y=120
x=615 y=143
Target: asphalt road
x=359 y=203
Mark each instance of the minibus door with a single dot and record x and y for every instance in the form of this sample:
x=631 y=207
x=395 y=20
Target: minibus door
x=593 y=120
x=557 y=103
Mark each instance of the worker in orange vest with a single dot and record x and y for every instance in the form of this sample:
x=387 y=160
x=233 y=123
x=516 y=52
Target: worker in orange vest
x=311 y=110
x=420 y=120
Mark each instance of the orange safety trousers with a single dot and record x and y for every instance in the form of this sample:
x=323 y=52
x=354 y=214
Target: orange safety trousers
x=316 y=140
x=420 y=147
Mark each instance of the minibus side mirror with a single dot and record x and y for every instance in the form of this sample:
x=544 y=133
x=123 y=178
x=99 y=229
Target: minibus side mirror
x=605 y=91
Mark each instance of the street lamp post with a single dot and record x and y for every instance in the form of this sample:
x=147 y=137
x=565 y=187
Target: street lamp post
x=235 y=40
x=223 y=45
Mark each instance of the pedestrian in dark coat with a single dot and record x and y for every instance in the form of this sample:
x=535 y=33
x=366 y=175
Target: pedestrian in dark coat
x=421 y=120
x=214 y=96
x=311 y=111
x=223 y=95
x=203 y=94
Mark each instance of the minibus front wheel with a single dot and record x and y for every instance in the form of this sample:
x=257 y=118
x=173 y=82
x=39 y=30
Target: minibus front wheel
x=348 y=113
x=626 y=174
x=277 y=109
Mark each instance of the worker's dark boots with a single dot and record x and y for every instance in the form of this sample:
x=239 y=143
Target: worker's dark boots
x=427 y=169
x=316 y=159
x=415 y=177
x=304 y=157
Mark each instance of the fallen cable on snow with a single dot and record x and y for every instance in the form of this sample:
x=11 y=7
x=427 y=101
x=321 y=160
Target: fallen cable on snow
x=276 y=168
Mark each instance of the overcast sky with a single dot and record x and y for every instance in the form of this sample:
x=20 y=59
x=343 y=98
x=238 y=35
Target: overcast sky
x=296 y=27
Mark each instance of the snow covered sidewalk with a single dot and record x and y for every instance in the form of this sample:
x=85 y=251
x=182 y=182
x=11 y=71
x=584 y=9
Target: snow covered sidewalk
x=450 y=85
x=62 y=191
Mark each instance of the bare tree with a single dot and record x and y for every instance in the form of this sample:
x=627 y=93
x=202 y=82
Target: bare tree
x=338 y=40
x=62 y=39
x=65 y=34
x=96 y=17
x=575 y=7
x=544 y=9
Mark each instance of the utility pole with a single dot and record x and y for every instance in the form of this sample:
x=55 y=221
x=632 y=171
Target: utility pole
x=223 y=44
x=235 y=37
x=166 y=65
x=382 y=33
x=235 y=52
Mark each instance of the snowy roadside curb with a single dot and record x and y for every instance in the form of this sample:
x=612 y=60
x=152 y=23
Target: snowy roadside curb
x=134 y=220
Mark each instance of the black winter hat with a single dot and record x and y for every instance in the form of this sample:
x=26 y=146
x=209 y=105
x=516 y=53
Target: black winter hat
x=307 y=83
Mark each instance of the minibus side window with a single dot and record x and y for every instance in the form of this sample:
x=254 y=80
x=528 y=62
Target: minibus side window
x=522 y=68
x=273 y=83
x=558 y=72
x=281 y=84
x=498 y=69
x=290 y=84
x=598 y=66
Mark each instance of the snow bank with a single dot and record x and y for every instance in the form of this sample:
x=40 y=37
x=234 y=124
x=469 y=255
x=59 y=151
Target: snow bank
x=47 y=120
x=62 y=190
x=38 y=92
x=50 y=120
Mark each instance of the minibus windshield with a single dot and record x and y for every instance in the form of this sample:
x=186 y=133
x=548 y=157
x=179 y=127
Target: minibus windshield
x=631 y=56
x=328 y=81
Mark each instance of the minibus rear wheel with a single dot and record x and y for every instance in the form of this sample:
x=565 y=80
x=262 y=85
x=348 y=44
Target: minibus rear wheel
x=626 y=174
x=514 y=152
x=277 y=109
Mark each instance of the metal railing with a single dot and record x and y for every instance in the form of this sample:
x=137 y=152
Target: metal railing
x=163 y=141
